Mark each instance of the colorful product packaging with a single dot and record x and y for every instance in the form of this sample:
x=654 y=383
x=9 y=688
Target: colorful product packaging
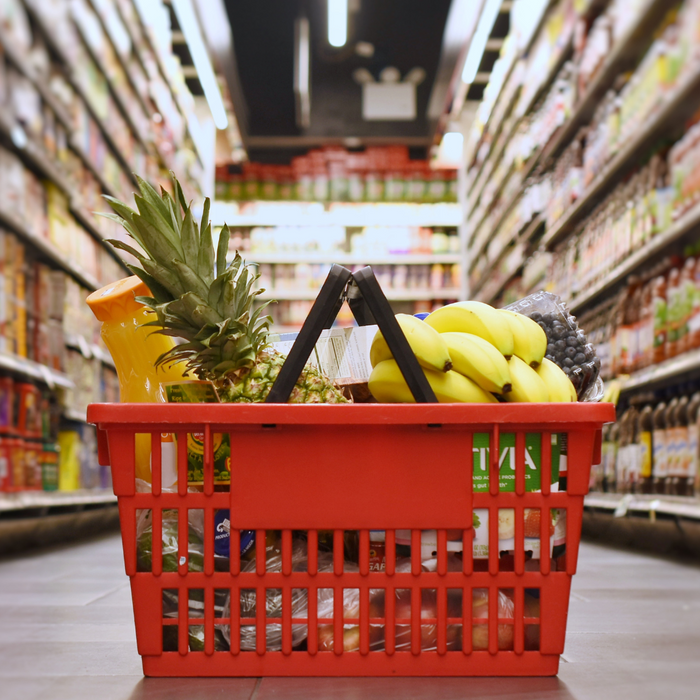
x=202 y=392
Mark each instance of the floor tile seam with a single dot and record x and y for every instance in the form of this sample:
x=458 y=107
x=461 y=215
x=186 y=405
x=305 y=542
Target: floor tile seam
x=108 y=593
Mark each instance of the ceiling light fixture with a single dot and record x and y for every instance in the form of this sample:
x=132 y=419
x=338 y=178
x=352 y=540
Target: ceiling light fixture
x=451 y=148
x=189 y=25
x=337 y=22
x=302 y=72
x=478 y=43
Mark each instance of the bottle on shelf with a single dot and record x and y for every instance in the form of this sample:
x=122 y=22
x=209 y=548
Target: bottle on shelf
x=671 y=445
x=689 y=486
x=679 y=466
x=645 y=429
x=659 y=307
x=659 y=448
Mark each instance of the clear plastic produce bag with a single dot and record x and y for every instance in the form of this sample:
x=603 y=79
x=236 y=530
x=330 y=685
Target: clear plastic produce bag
x=567 y=345
x=273 y=603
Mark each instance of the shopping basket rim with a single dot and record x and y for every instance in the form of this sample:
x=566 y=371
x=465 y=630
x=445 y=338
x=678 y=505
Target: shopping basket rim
x=580 y=414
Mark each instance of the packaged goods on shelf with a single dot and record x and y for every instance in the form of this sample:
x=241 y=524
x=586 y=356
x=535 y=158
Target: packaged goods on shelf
x=653 y=446
x=379 y=174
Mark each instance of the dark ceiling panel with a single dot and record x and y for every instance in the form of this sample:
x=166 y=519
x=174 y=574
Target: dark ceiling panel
x=405 y=33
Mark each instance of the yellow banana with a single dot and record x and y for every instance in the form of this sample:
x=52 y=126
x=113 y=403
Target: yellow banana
x=430 y=349
x=387 y=385
x=558 y=384
x=529 y=340
x=478 y=360
x=527 y=384
x=476 y=318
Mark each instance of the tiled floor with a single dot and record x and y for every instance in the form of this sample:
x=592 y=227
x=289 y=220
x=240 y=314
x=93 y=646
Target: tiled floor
x=66 y=633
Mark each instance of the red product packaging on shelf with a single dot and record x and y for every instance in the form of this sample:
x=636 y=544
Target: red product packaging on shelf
x=5 y=471
x=6 y=404
x=32 y=465
x=15 y=452
x=28 y=399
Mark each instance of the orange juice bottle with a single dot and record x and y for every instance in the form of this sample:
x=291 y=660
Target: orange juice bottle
x=135 y=350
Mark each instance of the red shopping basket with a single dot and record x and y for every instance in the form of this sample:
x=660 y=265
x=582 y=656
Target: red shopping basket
x=304 y=471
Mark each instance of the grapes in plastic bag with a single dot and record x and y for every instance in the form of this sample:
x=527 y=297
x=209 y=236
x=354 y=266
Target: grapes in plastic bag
x=567 y=345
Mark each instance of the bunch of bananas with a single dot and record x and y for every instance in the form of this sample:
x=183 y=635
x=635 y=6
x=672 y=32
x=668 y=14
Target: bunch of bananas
x=472 y=353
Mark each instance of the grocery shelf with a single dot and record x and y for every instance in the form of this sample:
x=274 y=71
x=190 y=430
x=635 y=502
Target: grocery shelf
x=524 y=235
x=497 y=282
x=282 y=258
x=145 y=32
x=650 y=505
x=337 y=214
x=107 y=30
x=656 y=374
x=39 y=160
x=32 y=152
x=87 y=161
x=391 y=294
x=56 y=47
x=48 y=250
x=626 y=49
x=29 y=500
x=88 y=350
x=75 y=415
x=477 y=191
x=121 y=103
x=661 y=240
x=34 y=370
x=23 y=64
x=675 y=103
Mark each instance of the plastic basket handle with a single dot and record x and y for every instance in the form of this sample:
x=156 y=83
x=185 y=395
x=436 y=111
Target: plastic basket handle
x=366 y=298
x=405 y=358
x=322 y=315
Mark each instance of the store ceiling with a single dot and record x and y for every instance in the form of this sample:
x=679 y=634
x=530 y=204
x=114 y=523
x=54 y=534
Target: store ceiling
x=405 y=34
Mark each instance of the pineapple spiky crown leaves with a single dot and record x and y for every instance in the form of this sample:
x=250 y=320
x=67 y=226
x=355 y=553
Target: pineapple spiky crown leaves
x=196 y=295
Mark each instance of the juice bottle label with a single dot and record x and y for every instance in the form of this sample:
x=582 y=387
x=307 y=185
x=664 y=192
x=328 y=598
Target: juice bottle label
x=659 y=466
x=692 y=463
x=646 y=456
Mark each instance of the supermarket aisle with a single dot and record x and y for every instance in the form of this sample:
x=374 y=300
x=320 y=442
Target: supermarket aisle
x=66 y=632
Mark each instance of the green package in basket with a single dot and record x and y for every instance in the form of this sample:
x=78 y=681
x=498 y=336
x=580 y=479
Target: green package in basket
x=202 y=392
x=506 y=461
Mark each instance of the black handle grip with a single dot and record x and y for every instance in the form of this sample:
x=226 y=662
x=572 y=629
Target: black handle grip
x=396 y=340
x=321 y=316
x=369 y=301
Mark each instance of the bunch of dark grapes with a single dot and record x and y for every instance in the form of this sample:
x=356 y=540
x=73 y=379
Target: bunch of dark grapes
x=567 y=347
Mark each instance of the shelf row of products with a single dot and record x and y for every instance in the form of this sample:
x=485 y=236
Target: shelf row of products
x=42 y=312
x=306 y=276
x=43 y=210
x=621 y=115
x=653 y=446
x=378 y=174
x=515 y=132
x=39 y=449
x=107 y=96
x=289 y=315
x=370 y=241
x=648 y=201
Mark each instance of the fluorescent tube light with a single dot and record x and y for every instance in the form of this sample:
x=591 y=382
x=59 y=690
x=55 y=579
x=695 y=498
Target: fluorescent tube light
x=478 y=42
x=189 y=25
x=302 y=72
x=337 y=22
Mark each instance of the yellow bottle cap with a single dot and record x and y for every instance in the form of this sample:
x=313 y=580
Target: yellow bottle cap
x=115 y=301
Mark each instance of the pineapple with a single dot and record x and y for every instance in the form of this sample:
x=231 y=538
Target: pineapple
x=207 y=303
